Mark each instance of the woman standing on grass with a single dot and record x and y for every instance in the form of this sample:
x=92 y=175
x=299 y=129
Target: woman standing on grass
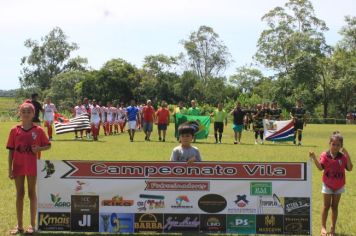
x=333 y=162
x=25 y=142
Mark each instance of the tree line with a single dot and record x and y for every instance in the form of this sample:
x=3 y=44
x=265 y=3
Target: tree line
x=292 y=48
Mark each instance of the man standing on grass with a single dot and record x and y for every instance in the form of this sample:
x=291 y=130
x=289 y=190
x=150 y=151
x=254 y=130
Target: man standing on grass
x=148 y=116
x=38 y=109
x=298 y=115
x=162 y=121
x=133 y=116
x=193 y=110
x=220 y=116
x=238 y=119
x=180 y=109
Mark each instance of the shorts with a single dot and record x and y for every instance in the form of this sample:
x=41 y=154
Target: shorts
x=219 y=126
x=298 y=125
x=162 y=126
x=132 y=124
x=147 y=126
x=237 y=128
x=325 y=189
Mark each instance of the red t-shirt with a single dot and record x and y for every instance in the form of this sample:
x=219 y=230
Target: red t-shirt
x=148 y=112
x=24 y=161
x=163 y=115
x=334 y=170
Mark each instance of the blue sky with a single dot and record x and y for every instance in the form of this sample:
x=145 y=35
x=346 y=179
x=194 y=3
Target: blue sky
x=133 y=29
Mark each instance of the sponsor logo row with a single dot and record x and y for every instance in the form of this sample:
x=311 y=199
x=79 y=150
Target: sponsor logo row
x=165 y=223
x=209 y=203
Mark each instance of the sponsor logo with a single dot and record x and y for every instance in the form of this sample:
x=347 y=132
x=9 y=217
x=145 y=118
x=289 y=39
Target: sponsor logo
x=148 y=223
x=212 y=223
x=48 y=169
x=150 y=202
x=241 y=224
x=241 y=205
x=297 y=206
x=297 y=224
x=261 y=189
x=117 y=201
x=53 y=221
x=182 y=202
x=177 y=186
x=212 y=203
x=181 y=223
x=270 y=205
x=56 y=203
x=85 y=222
x=34 y=135
x=116 y=223
x=269 y=224
x=84 y=203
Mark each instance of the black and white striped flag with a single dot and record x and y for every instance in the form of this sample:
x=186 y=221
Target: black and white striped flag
x=62 y=125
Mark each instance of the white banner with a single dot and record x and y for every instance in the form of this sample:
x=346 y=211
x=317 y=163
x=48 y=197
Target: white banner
x=164 y=197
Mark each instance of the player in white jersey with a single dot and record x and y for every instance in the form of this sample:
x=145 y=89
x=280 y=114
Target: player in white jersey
x=95 y=119
x=48 y=116
x=103 y=110
x=109 y=117
x=116 y=123
x=78 y=110
x=121 y=117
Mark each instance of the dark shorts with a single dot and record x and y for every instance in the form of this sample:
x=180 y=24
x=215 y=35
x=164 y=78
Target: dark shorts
x=219 y=126
x=162 y=126
x=147 y=126
x=298 y=125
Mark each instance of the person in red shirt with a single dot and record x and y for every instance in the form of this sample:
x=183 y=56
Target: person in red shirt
x=148 y=116
x=333 y=162
x=25 y=141
x=162 y=115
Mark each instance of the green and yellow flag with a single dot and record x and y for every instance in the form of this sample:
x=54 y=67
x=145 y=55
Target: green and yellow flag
x=202 y=123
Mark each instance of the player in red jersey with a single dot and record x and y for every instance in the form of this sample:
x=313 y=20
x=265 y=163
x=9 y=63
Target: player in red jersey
x=333 y=162
x=162 y=115
x=25 y=142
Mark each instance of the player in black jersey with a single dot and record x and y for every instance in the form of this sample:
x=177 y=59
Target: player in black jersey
x=258 y=115
x=275 y=113
x=298 y=115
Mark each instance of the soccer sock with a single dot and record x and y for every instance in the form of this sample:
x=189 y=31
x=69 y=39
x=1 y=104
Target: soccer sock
x=220 y=136
x=256 y=134
x=49 y=131
x=261 y=135
x=299 y=137
x=295 y=136
x=216 y=137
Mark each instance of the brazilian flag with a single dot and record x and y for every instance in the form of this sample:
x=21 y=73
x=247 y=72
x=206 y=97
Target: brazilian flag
x=200 y=123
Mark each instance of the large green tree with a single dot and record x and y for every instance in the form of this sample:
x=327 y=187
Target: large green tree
x=207 y=54
x=292 y=46
x=48 y=58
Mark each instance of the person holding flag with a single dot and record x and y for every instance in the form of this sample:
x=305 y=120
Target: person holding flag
x=78 y=110
x=298 y=115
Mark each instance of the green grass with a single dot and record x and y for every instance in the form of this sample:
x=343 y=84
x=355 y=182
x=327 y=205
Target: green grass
x=119 y=148
x=8 y=107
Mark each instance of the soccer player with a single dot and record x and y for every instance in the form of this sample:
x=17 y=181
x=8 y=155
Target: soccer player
x=87 y=107
x=48 y=116
x=238 y=119
x=121 y=115
x=220 y=116
x=132 y=114
x=148 y=116
x=109 y=118
x=180 y=109
x=95 y=119
x=162 y=115
x=258 y=123
x=298 y=115
x=193 y=110
x=38 y=109
x=275 y=113
x=78 y=110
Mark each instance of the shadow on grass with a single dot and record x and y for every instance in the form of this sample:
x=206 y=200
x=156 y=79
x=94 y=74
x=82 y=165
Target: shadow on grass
x=74 y=140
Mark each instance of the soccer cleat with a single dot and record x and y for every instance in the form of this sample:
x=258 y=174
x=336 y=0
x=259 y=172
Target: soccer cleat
x=256 y=142
x=220 y=142
x=300 y=144
x=163 y=140
x=160 y=139
x=235 y=142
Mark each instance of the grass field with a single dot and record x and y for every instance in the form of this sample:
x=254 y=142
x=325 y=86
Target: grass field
x=119 y=148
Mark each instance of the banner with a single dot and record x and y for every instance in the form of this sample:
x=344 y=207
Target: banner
x=63 y=125
x=172 y=197
x=278 y=131
x=201 y=123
